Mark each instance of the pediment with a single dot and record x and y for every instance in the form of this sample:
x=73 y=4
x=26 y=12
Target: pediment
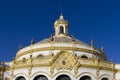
x=64 y=60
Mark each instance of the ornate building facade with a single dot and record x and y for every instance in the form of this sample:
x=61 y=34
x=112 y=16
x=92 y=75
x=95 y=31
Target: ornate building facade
x=60 y=57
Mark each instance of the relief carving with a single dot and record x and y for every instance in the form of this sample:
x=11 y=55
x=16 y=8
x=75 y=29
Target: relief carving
x=65 y=60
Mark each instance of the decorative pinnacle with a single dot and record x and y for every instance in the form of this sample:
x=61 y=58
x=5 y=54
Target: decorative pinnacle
x=111 y=60
x=92 y=43
x=102 y=48
x=20 y=47
x=51 y=37
x=73 y=39
x=13 y=58
x=61 y=16
x=32 y=41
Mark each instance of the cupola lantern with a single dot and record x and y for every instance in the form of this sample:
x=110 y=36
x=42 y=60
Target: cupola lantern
x=61 y=27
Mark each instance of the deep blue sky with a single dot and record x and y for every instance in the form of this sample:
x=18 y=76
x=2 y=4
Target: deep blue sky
x=20 y=20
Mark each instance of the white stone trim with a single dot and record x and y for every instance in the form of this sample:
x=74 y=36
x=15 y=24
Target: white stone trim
x=40 y=73
x=21 y=74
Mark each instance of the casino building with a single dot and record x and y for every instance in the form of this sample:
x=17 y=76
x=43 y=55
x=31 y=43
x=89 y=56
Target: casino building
x=60 y=57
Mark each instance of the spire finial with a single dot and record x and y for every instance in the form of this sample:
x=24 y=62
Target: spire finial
x=32 y=41
x=20 y=46
x=61 y=15
x=51 y=37
x=102 y=48
x=92 y=43
x=61 y=10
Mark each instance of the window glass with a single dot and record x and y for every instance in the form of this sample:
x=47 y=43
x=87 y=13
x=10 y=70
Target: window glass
x=20 y=78
x=104 y=79
x=40 y=77
x=85 y=78
x=63 y=77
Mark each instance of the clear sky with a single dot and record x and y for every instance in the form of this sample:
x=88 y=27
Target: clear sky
x=20 y=20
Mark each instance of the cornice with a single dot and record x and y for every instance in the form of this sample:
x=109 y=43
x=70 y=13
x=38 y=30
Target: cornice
x=61 y=48
x=88 y=64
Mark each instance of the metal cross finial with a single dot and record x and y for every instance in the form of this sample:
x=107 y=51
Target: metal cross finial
x=61 y=9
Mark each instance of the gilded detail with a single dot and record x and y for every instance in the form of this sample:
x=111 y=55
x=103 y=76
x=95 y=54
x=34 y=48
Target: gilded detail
x=60 y=48
x=60 y=55
x=65 y=60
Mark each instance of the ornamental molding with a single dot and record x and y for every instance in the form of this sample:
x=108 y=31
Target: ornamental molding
x=60 y=48
x=63 y=60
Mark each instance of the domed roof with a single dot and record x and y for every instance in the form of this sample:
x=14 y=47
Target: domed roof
x=60 y=41
x=66 y=39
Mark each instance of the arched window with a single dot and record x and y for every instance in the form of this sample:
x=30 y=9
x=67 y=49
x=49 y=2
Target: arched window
x=40 y=77
x=61 y=30
x=84 y=56
x=105 y=78
x=40 y=56
x=85 y=78
x=63 y=77
x=20 y=78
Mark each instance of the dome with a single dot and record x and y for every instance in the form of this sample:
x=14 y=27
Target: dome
x=57 y=44
x=60 y=56
x=61 y=41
